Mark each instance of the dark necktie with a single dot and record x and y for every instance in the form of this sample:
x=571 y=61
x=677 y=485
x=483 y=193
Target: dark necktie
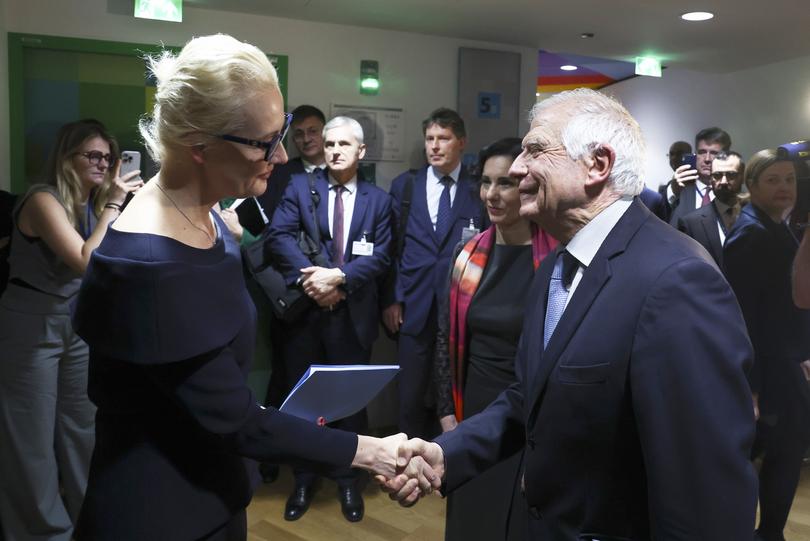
x=561 y=277
x=444 y=215
x=337 y=227
x=705 y=201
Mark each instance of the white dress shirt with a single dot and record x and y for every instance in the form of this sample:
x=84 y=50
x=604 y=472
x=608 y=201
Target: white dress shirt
x=349 y=195
x=310 y=167
x=700 y=189
x=590 y=238
x=435 y=188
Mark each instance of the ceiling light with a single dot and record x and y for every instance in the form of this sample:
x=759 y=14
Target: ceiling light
x=697 y=16
x=568 y=67
x=586 y=35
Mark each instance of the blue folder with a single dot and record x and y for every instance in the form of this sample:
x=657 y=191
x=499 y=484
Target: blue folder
x=327 y=393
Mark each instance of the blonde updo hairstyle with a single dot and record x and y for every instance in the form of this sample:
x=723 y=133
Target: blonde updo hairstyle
x=202 y=91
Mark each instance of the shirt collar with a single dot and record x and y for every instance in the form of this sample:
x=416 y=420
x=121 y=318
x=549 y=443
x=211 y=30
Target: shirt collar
x=722 y=207
x=310 y=167
x=589 y=239
x=437 y=176
x=350 y=186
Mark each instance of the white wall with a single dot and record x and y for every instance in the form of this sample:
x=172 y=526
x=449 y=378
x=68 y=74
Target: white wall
x=418 y=72
x=674 y=107
x=760 y=107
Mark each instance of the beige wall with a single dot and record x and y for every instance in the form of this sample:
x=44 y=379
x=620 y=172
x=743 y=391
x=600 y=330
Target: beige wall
x=418 y=72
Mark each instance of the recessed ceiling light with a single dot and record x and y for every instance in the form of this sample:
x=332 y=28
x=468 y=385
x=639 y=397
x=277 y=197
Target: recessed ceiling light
x=568 y=67
x=586 y=35
x=697 y=16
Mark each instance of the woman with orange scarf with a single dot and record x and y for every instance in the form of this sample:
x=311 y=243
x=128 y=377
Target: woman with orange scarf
x=479 y=329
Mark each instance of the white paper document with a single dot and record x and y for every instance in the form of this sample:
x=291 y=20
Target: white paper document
x=327 y=393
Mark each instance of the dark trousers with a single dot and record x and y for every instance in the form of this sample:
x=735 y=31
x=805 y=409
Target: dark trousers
x=417 y=412
x=782 y=445
x=233 y=530
x=325 y=337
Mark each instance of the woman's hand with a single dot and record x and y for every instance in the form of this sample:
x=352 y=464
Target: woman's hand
x=121 y=186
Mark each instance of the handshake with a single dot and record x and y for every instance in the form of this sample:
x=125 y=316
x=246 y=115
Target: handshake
x=406 y=469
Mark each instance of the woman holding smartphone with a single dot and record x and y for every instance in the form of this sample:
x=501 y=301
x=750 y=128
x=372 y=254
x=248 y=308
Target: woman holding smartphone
x=171 y=327
x=46 y=419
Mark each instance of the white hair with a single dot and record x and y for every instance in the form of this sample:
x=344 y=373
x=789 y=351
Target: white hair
x=202 y=91
x=595 y=119
x=340 y=121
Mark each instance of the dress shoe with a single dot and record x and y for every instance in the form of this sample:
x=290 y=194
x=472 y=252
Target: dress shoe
x=269 y=472
x=351 y=503
x=298 y=502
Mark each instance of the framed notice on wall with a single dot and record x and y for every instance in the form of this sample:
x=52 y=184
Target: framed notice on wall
x=383 y=130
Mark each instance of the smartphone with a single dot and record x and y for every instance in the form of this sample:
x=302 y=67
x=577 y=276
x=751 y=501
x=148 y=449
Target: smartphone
x=130 y=161
x=690 y=160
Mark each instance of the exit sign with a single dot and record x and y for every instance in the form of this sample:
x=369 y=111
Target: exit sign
x=649 y=66
x=161 y=10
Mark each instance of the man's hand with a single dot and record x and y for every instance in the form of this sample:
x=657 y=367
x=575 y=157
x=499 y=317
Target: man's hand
x=392 y=317
x=231 y=220
x=319 y=282
x=683 y=175
x=331 y=299
x=448 y=423
x=421 y=467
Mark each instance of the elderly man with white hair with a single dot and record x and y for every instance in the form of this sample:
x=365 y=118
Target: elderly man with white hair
x=628 y=430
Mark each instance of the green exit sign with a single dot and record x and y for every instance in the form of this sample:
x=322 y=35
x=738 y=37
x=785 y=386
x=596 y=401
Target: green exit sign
x=161 y=10
x=649 y=66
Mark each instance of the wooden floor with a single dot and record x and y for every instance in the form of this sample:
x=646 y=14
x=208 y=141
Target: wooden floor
x=386 y=521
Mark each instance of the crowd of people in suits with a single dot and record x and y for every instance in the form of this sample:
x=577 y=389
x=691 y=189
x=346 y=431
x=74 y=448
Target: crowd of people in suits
x=570 y=364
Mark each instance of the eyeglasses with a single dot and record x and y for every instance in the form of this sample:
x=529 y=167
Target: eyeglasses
x=730 y=175
x=268 y=146
x=95 y=157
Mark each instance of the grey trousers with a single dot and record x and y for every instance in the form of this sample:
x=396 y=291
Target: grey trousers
x=47 y=422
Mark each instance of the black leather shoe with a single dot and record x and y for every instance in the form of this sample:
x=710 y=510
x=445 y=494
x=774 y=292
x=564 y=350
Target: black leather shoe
x=351 y=503
x=269 y=472
x=298 y=502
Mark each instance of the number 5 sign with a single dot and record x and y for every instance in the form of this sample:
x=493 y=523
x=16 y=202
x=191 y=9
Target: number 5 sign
x=489 y=105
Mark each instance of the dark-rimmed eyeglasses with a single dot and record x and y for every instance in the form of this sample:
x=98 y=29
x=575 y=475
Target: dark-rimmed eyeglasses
x=95 y=157
x=269 y=147
x=730 y=175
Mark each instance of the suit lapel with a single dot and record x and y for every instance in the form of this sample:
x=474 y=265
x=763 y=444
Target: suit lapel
x=711 y=221
x=322 y=187
x=419 y=206
x=594 y=279
x=358 y=215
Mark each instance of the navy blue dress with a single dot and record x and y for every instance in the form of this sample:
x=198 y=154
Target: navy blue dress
x=171 y=331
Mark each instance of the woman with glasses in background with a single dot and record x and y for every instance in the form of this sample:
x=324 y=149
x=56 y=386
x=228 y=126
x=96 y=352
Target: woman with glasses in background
x=46 y=419
x=171 y=327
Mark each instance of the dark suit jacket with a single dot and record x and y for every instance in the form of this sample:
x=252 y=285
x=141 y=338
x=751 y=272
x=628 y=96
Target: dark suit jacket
x=371 y=217
x=701 y=225
x=630 y=431
x=758 y=257
x=277 y=185
x=420 y=275
x=683 y=205
x=655 y=202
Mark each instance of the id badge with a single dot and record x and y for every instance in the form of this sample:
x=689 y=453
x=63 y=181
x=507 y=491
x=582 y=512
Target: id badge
x=469 y=232
x=362 y=248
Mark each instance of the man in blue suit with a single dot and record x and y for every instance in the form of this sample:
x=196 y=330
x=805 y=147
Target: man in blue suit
x=690 y=189
x=629 y=431
x=440 y=200
x=354 y=225
x=306 y=130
